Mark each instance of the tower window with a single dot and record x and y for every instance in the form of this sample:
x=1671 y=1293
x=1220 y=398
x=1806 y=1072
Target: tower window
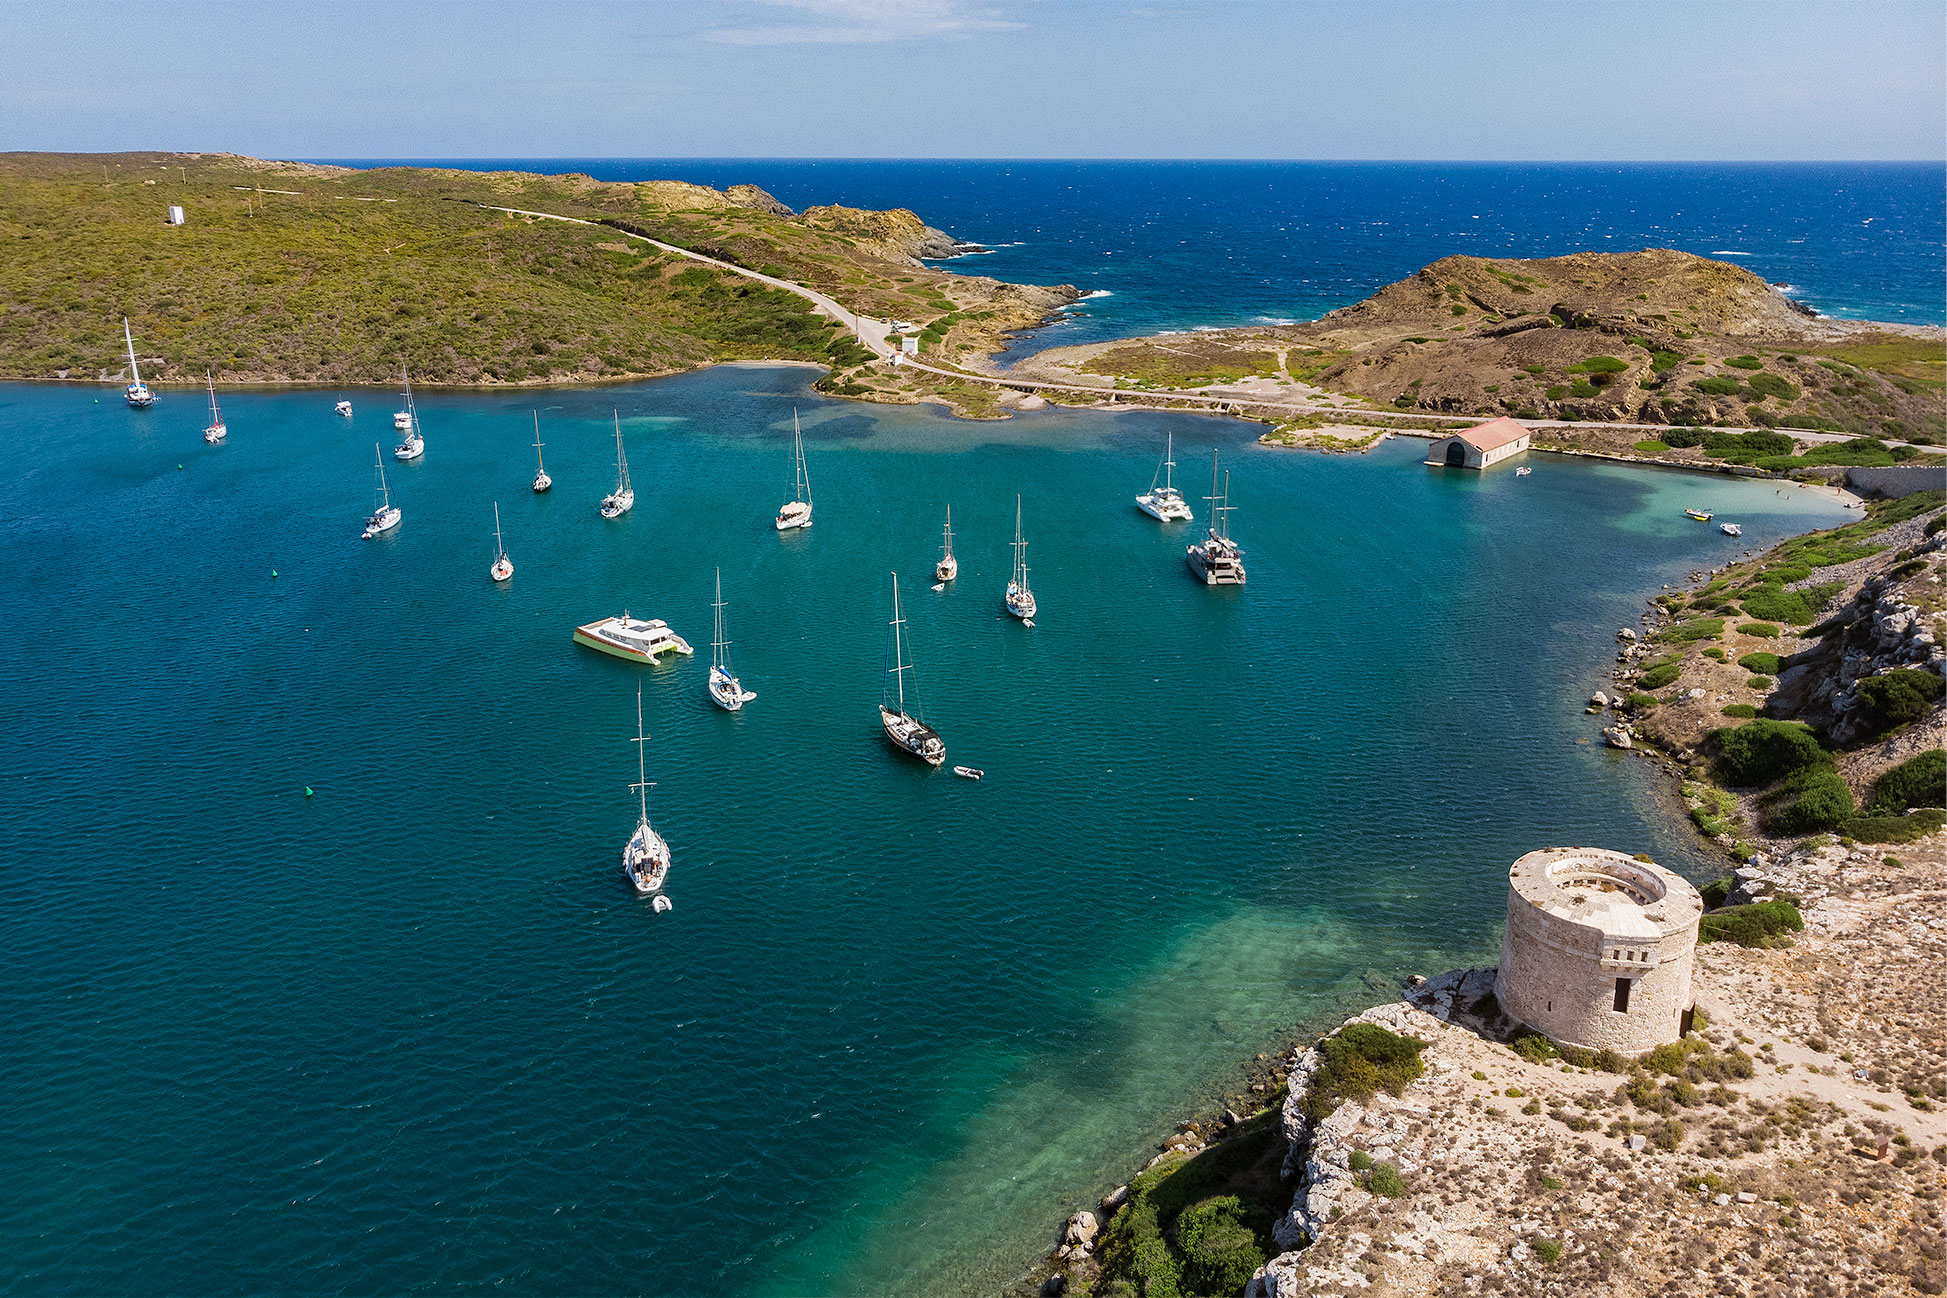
x=1622 y=995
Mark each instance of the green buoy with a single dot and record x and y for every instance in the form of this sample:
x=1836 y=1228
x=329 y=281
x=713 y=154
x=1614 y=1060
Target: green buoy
x=273 y=574
x=307 y=790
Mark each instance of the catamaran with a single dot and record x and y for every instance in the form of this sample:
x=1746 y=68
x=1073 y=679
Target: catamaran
x=1217 y=560
x=620 y=501
x=387 y=515
x=503 y=569
x=646 y=858
x=726 y=691
x=797 y=511
x=1165 y=502
x=1020 y=600
x=635 y=639
x=903 y=727
x=218 y=430
x=137 y=394
x=541 y=479
x=412 y=444
x=948 y=567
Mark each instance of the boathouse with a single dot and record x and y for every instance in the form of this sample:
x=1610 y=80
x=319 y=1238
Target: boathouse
x=1480 y=446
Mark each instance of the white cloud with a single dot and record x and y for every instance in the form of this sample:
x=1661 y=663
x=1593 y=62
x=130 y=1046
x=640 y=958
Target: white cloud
x=859 y=22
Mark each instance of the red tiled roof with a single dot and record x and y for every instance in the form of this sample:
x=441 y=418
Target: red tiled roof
x=1493 y=433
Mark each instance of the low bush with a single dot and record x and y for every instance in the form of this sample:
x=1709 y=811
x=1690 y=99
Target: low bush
x=1533 y=1046
x=1637 y=699
x=1697 y=628
x=1762 y=630
x=1220 y=1248
x=1360 y=1059
x=1892 y=699
x=1715 y=653
x=1760 y=682
x=1657 y=677
x=1917 y=782
x=1744 y=362
x=1912 y=827
x=1765 y=751
x=1548 y=1251
x=1652 y=447
x=1810 y=800
x=1772 y=602
x=1599 y=365
x=1757 y=925
x=1717 y=891
x=1557 y=392
x=1739 y=710
x=1763 y=663
x=1383 y=1179
x=1718 y=387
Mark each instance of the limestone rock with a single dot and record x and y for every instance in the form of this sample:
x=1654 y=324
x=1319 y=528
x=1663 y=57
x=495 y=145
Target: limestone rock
x=1114 y=1199
x=1082 y=1229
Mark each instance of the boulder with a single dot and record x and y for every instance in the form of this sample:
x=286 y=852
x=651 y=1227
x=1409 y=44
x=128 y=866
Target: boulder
x=1114 y=1199
x=1625 y=633
x=1082 y=1229
x=1617 y=737
x=1599 y=699
x=1054 y=1286
x=1636 y=1144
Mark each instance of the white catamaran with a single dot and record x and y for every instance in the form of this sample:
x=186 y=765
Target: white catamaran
x=902 y=724
x=1020 y=600
x=503 y=569
x=218 y=430
x=620 y=501
x=1217 y=560
x=948 y=567
x=797 y=511
x=646 y=858
x=387 y=515
x=412 y=444
x=541 y=479
x=726 y=691
x=137 y=393
x=1165 y=502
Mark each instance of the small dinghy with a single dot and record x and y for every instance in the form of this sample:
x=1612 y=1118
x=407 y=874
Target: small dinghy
x=939 y=586
x=1523 y=471
x=662 y=904
x=969 y=772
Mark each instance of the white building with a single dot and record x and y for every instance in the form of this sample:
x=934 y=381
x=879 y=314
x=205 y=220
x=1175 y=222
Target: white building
x=1480 y=446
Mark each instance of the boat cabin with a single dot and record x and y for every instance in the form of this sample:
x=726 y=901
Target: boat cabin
x=1481 y=446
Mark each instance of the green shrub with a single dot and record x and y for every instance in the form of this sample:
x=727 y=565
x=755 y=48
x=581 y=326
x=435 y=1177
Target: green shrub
x=1664 y=361
x=1917 y=782
x=1682 y=436
x=1909 y=828
x=1762 y=630
x=1897 y=697
x=1657 y=677
x=1744 y=362
x=1808 y=801
x=1652 y=447
x=1766 y=751
x=1548 y=1251
x=1757 y=925
x=1760 y=682
x=1774 y=603
x=1360 y=1160
x=1220 y=1250
x=1716 y=892
x=1697 y=628
x=1763 y=663
x=1599 y=365
x=1637 y=699
x=1718 y=387
x=1556 y=393
x=1747 y=446
x=1739 y=710
x=1533 y=1046
x=1360 y=1059
x=1384 y=1179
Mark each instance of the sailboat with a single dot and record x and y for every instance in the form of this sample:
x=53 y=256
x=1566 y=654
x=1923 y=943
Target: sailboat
x=541 y=479
x=1216 y=559
x=948 y=567
x=137 y=394
x=726 y=691
x=1165 y=502
x=387 y=515
x=797 y=511
x=620 y=501
x=412 y=444
x=1020 y=600
x=646 y=858
x=904 y=728
x=503 y=569
x=218 y=430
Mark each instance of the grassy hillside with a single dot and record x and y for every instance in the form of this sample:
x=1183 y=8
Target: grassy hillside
x=349 y=273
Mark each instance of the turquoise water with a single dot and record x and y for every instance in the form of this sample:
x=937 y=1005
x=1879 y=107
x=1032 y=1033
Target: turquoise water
x=414 y=1033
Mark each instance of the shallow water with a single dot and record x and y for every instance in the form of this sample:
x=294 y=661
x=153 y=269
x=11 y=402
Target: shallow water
x=415 y=1034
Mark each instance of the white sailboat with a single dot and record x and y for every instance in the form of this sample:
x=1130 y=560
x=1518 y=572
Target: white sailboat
x=620 y=501
x=646 y=857
x=797 y=511
x=1165 y=502
x=137 y=393
x=541 y=479
x=343 y=408
x=503 y=569
x=218 y=430
x=1217 y=560
x=387 y=515
x=412 y=444
x=901 y=722
x=948 y=567
x=1020 y=599
x=726 y=691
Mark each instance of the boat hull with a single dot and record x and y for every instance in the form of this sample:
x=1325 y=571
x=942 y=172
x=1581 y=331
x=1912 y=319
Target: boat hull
x=616 y=506
x=1164 y=511
x=542 y=483
x=216 y=433
x=586 y=636
x=1020 y=602
x=946 y=569
x=1214 y=571
x=793 y=516
x=727 y=692
x=645 y=861
x=382 y=522
x=409 y=450
x=911 y=736
x=502 y=571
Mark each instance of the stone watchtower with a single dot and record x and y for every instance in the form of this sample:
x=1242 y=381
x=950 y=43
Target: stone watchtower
x=1598 y=949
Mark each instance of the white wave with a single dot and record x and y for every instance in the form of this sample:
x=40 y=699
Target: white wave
x=1272 y=320
x=1099 y=292
x=1728 y=252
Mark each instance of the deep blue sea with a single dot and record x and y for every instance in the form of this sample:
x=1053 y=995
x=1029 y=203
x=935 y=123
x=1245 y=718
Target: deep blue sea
x=414 y=1034
x=1184 y=245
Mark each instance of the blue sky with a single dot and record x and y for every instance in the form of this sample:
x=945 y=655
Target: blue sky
x=1491 y=79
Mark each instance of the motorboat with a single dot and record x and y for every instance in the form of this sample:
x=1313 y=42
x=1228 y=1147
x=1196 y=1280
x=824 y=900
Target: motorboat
x=218 y=430
x=726 y=691
x=1020 y=598
x=898 y=716
x=1701 y=515
x=797 y=511
x=948 y=567
x=969 y=772
x=632 y=638
x=1731 y=529
x=620 y=501
x=387 y=515
x=137 y=393
x=1163 y=500
x=343 y=408
x=412 y=443
x=503 y=569
x=1217 y=560
x=1523 y=471
x=541 y=479
x=645 y=858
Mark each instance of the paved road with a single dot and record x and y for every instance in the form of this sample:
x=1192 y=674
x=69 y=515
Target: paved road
x=873 y=334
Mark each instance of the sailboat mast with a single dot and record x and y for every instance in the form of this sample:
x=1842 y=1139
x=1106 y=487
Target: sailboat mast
x=949 y=532
x=538 y=463
x=803 y=486
x=135 y=371
x=385 y=493
x=1169 y=460
x=898 y=648
x=641 y=758
x=500 y=546
x=621 y=460
x=719 y=644
x=216 y=415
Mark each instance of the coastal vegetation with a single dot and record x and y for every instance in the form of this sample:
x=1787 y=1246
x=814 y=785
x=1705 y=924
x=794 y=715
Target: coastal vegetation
x=1360 y=1060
